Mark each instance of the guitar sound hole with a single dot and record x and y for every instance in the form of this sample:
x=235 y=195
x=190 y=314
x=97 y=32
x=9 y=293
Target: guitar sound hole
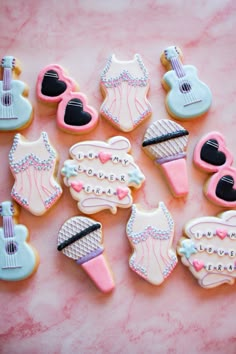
x=7 y=99
x=185 y=87
x=11 y=248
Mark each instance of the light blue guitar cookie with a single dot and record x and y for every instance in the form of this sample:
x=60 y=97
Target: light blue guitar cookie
x=187 y=96
x=15 y=109
x=18 y=260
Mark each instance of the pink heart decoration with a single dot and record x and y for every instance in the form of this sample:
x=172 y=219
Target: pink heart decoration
x=77 y=186
x=122 y=192
x=221 y=234
x=104 y=156
x=198 y=265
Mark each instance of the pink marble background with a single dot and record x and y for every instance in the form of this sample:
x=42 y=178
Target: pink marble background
x=59 y=310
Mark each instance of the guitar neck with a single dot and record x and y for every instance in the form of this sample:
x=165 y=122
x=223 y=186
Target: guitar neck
x=177 y=67
x=8 y=226
x=7 y=77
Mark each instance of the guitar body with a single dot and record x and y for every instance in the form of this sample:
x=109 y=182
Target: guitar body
x=15 y=109
x=187 y=97
x=18 y=260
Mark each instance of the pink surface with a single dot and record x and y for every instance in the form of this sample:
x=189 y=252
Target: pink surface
x=59 y=309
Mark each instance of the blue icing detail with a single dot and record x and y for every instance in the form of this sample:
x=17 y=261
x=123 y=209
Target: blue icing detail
x=69 y=170
x=135 y=177
x=188 y=248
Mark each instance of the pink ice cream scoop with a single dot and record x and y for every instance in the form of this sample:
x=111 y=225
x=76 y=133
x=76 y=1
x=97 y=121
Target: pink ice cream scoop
x=166 y=141
x=80 y=238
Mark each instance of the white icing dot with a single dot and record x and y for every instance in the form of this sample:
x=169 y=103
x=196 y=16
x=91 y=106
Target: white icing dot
x=109 y=191
x=198 y=235
x=115 y=159
x=125 y=162
x=209 y=267
x=122 y=178
x=232 y=253
x=91 y=155
x=100 y=175
x=90 y=171
x=220 y=252
x=220 y=267
x=200 y=247
x=111 y=177
x=98 y=190
x=230 y=267
x=210 y=249
x=88 y=188
x=80 y=168
x=209 y=234
x=232 y=235
x=80 y=156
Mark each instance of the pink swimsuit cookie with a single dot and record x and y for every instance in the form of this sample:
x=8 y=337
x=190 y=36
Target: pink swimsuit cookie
x=151 y=235
x=33 y=165
x=74 y=115
x=80 y=238
x=125 y=85
x=166 y=142
x=210 y=249
x=100 y=174
x=212 y=155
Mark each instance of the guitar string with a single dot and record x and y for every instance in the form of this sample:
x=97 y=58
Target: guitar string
x=189 y=96
x=7 y=111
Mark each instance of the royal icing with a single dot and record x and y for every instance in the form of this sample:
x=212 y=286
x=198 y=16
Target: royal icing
x=187 y=96
x=125 y=85
x=99 y=175
x=33 y=165
x=18 y=259
x=74 y=115
x=212 y=155
x=15 y=109
x=151 y=235
x=210 y=249
x=166 y=142
x=80 y=238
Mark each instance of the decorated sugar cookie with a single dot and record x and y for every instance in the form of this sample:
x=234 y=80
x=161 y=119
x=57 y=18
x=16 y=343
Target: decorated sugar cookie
x=166 y=142
x=33 y=165
x=151 y=235
x=187 y=96
x=125 y=85
x=212 y=155
x=209 y=250
x=74 y=115
x=99 y=175
x=80 y=238
x=15 y=109
x=18 y=259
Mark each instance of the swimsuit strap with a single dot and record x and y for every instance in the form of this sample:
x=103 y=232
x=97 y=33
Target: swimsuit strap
x=125 y=75
x=31 y=159
x=150 y=230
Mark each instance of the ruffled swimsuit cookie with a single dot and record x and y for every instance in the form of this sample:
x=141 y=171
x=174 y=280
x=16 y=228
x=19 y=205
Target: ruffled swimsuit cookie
x=33 y=165
x=125 y=85
x=151 y=235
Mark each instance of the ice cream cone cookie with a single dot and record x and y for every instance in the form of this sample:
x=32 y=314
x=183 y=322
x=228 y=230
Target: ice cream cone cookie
x=166 y=142
x=34 y=167
x=74 y=114
x=80 y=238
x=100 y=173
x=124 y=85
x=16 y=111
x=151 y=235
x=18 y=259
x=187 y=96
x=209 y=250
